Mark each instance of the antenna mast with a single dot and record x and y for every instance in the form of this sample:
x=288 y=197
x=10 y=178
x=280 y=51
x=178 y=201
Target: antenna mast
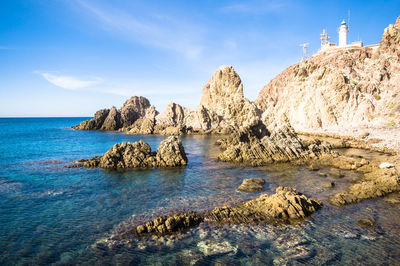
x=305 y=47
x=348 y=18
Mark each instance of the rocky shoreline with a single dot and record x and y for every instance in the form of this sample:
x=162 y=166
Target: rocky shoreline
x=288 y=123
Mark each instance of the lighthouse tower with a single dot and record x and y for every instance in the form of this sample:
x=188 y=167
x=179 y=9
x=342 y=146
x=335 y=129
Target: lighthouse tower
x=343 y=30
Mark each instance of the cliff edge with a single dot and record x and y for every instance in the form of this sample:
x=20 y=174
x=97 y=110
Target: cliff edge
x=339 y=88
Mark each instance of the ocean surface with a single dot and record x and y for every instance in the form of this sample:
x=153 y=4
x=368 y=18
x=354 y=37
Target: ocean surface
x=51 y=214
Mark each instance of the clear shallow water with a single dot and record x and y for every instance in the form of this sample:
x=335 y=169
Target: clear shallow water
x=52 y=214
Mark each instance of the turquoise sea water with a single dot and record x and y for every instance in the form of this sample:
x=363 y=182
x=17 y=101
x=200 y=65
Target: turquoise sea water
x=50 y=214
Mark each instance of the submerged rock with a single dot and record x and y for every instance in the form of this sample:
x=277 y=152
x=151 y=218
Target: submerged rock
x=337 y=173
x=170 y=153
x=367 y=222
x=252 y=185
x=329 y=185
x=209 y=248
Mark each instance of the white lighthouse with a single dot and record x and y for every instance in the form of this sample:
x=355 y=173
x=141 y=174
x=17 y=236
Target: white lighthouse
x=343 y=30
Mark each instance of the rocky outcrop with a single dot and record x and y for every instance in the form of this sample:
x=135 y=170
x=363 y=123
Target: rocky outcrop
x=133 y=109
x=284 y=206
x=113 y=119
x=223 y=96
x=339 y=88
x=252 y=185
x=171 y=153
x=173 y=115
x=125 y=155
x=390 y=42
x=377 y=183
x=222 y=109
x=145 y=124
x=169 y=224
x=259 y=145
x=95 y=123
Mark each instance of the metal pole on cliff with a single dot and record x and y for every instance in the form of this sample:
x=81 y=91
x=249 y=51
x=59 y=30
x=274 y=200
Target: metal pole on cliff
x=305 y=46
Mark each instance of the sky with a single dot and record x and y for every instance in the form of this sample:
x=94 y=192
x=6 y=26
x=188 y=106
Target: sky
x=73 y=57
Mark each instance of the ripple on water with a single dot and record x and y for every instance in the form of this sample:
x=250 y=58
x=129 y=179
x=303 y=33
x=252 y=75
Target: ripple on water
x=53 y=214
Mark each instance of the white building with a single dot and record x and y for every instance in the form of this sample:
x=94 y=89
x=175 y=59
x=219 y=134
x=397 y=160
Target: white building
x=343 y=30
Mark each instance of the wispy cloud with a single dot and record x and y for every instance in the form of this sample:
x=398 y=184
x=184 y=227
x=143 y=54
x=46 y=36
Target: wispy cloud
x=254 y=7
x=69 y=82
x=156 y=30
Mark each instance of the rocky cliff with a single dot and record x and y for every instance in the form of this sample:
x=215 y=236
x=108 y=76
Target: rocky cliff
x=339 y=88
x=222 y=108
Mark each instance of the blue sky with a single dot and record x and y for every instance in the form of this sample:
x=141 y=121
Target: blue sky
x=73 y=57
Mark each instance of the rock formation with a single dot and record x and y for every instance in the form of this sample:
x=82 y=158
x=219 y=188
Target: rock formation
x=285 y=205
x=339 y=88
x=376 y=183
x=113 y=119
x=133 y=109
x=252 y=185
x=124 y=155
x=95 y=123
x=223 y=96
x=222 y=108
x=169 y=224
x=260 y=145
x=173 y=115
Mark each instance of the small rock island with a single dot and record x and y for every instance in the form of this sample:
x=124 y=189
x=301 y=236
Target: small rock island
x=127 y=155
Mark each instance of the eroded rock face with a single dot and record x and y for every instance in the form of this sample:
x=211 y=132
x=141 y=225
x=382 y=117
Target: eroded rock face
x=139 y=155
x=173 y=115
x=113 y=119
x=259 y=145
x=390 y=42
x=339 y=88
x=133 y=109
x=223 y=95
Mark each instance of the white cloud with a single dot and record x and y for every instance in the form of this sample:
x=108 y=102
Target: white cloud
x=70 y=82
x=156 y=30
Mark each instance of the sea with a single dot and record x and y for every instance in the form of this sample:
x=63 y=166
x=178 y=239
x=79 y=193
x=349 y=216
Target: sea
x=51 y=214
